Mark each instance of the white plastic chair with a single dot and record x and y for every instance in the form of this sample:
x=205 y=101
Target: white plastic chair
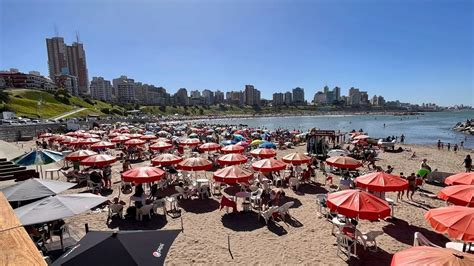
x=294 y=182
x=369 y=237
x=284 y=209
x=204 y=191
x=268 y=214
x=320 y=198
x=60 y=232
x=116 y=209
x=181 y=192
x=144 y=210
x=160 y=203
x=346 y=245
x=94 y=186
x=266 y=187
x=256 y=197
x=421 y=240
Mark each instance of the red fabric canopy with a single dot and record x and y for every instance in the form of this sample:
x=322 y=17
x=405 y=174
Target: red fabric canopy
x=45 y=135
x=232 y=159
x=189 y=142
x=195 y=164
x=460 y=179
x=296 y=158
x=102 y=145
x=210 y=146
x=343 y=162
x=381 y=181
x=456 y=221
x=80 y=155
x=232 y=175
x=99 y=160
x=426 y=255
x=143 y=175
x=232 y=149
x=459 y=194
x=134 y=142
x=159 y=146
x=263 y=153
x=166 y=159
x=120 y=139
x=268 y=165
x=355 y=203
x=88 y=141
x=135 y=136
x=148 y=137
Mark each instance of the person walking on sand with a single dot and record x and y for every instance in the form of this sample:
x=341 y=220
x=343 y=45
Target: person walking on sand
x=461 y=145
x=449 y=146
x=468 y=163
x=401 y=193
x=455 y=148
x=402 y=138
x=411 y=186
x=439 y=144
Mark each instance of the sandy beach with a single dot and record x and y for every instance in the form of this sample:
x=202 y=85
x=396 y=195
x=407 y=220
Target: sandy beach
x=305 y=239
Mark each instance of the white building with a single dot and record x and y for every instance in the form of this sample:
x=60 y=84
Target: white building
x=101 y=89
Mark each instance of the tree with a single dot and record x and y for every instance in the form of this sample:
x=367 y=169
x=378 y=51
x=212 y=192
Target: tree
x=4 y=96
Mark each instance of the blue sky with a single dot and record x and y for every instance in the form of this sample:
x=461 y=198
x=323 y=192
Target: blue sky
x=412 y=50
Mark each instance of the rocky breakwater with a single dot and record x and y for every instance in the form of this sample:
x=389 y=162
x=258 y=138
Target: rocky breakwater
x=465 y=127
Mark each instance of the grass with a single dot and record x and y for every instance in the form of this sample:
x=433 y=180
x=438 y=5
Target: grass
x=24 y=102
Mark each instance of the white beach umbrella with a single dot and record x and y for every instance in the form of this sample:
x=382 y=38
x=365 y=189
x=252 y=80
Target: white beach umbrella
x=57 y=207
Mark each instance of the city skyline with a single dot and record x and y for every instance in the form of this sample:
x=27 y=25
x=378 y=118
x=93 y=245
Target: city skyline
x=424 y=74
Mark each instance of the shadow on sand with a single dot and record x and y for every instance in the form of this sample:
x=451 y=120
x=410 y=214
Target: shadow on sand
x=156 y=222
x=242 y=221
x=404 y=232
x=199 y=205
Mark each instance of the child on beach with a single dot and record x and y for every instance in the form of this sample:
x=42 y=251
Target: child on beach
x=401 y=193
x=468 y=163
x=411 y=186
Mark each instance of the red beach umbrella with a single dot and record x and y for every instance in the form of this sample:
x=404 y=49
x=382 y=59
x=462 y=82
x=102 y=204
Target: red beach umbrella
x=102 y=145
x=134 y=142
x=232 y=159
x=361 y=137
x=381 y=181
x=354 y=203
x=456 y=221
x=144 y=174
x=163 y=140
x=189 y=142
x=88 y=141
x=268 y=165
x=99 y=160
x=120 y=139
x=232 y=149
x=343 y=162
x=296 y=158
x=195 y=164
x=232 y=175
x=67 y=140
x=459 y=194
x=89 y=135
x=45 y=135
x=160 y=146
x=135 y=136
x=166 y=159
x=210 y=146
x=114 y=134
x=148 y=137
x=426 y=255
x=80 y=155
x=263 y=153
x=460 y=179
x=71 y=134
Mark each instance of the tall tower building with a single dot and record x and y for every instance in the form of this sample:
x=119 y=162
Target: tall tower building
x=57 y=57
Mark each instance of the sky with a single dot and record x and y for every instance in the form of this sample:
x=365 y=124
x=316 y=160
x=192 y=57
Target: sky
x=409 y=50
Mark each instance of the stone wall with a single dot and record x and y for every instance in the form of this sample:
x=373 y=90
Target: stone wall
x=13 y=133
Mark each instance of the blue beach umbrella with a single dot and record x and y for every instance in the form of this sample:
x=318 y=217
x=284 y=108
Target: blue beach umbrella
x=38 y=157
x=227 y=142
x=268 y=145
x=238 y=137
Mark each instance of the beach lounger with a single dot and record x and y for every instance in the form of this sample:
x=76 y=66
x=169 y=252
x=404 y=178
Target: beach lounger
x=421 y=240
x=369 y=237
x=284 y=209
x=268 y=214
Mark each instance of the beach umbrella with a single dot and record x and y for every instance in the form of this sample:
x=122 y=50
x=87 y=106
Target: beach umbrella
x=232 y=175
x=163 y=140
x=120 y=139
x=361 y=137
x=210 y=146
x=460 y=179
x=456 y=221
x=193 y=135
x=268 y=145
x=343 y=162
x=38 y=157
x=459 y=194
x=88 y=141
x=227 y=142
x=381 y=182
x=243 y=144
x=238 y=137
x=232 y=159
x=45 y=135
x=134 y=142
x=359 y=142
x=354 y=203
x=147 y=247
x=268 y=165
x=135 y=136
x=163 y=133
x=189 y=142
x=426 y=255
x=102 y=145
x=263 y=153
x=256 y=142
x=143 y=174
x=71 y=134
x=67 y=139
x=166 y=159
x=296 y=158
x=195 y=164
x=148 y=137
x=114 y=134
x=99 y=160
x=35 y=188
x=423 y=172
x=232 y=149
x=337 y=152
x=79 y=155
x=57 y=207
x=160 y=146
x=89 y=135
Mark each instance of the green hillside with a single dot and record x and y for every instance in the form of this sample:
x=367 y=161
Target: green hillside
x=35 y=103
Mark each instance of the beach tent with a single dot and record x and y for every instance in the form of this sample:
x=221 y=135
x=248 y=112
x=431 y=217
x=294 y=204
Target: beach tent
x=57 y=207
x=35 y=188
x=120 y=248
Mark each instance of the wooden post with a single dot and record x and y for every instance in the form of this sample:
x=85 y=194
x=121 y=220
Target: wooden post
x=87 y=227
x=182 y=227
x=228 y=246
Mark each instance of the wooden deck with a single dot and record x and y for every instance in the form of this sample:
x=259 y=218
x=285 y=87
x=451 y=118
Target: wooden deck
x=16 y=246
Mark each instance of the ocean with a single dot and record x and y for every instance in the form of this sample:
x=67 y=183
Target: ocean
x=418 y=129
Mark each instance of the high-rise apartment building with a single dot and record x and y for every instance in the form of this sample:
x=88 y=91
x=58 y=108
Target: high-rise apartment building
x=298 y=96
x=235 y=97
x=277 y=99
x=218 y=97
x=101 y=89
x=354 y=96
x=251 y=95
x=181 y=97
x=288 y=98
x=68 y=60
x=208 y=96
x=124 y=89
